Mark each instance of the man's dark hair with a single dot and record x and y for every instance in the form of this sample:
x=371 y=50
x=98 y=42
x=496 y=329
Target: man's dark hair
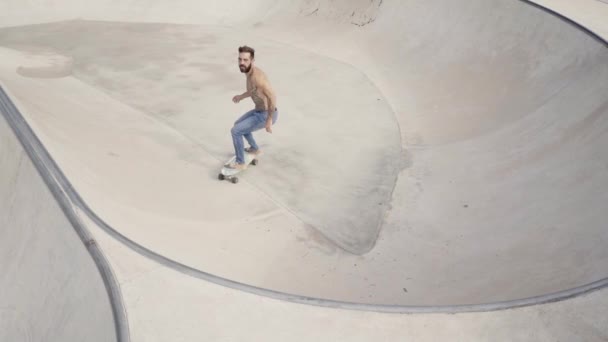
x=247 y=49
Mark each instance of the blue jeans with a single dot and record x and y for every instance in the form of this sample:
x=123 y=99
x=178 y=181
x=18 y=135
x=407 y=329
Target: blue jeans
x=250 y=122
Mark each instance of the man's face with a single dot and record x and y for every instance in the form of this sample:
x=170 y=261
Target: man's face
x=245 y=62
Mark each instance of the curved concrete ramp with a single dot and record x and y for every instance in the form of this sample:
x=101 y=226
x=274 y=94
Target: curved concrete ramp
x=427 y=153
x=51 y=287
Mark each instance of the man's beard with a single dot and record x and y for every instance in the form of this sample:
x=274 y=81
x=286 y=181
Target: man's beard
x=244 y=69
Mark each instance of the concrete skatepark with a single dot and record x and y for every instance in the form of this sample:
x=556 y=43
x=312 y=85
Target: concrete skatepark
x=436 y=173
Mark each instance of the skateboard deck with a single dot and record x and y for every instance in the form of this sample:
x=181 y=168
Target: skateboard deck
x=230 y=174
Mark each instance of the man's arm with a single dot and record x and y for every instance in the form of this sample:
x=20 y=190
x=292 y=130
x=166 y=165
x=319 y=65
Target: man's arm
x=243 y=96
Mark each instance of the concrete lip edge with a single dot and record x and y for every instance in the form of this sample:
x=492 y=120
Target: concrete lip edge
x=45 y=167
x=569 y=21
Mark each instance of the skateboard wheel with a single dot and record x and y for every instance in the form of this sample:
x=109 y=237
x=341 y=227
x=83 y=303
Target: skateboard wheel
x=221 y=177
x=234 y=180
x=254 y=162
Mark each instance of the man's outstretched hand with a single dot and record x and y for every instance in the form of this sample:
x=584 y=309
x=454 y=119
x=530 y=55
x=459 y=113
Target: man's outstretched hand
x=236 y=99
x=269 y=127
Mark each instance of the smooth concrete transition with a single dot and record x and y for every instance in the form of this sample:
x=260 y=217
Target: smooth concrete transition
x=429 y=156
x=51 y=288
x=456 y=149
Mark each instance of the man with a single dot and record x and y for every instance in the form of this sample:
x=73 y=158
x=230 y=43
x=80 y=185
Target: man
x=263 y=116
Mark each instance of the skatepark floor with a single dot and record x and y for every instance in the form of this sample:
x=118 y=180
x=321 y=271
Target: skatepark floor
x=428 y=156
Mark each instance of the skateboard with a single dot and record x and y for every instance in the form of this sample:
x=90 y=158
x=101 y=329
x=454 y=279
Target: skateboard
x=230 y=174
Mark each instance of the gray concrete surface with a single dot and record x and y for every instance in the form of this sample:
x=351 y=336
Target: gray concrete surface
x=485 y=128
x=51 y=288
x=475 y=139
x=168 y=305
